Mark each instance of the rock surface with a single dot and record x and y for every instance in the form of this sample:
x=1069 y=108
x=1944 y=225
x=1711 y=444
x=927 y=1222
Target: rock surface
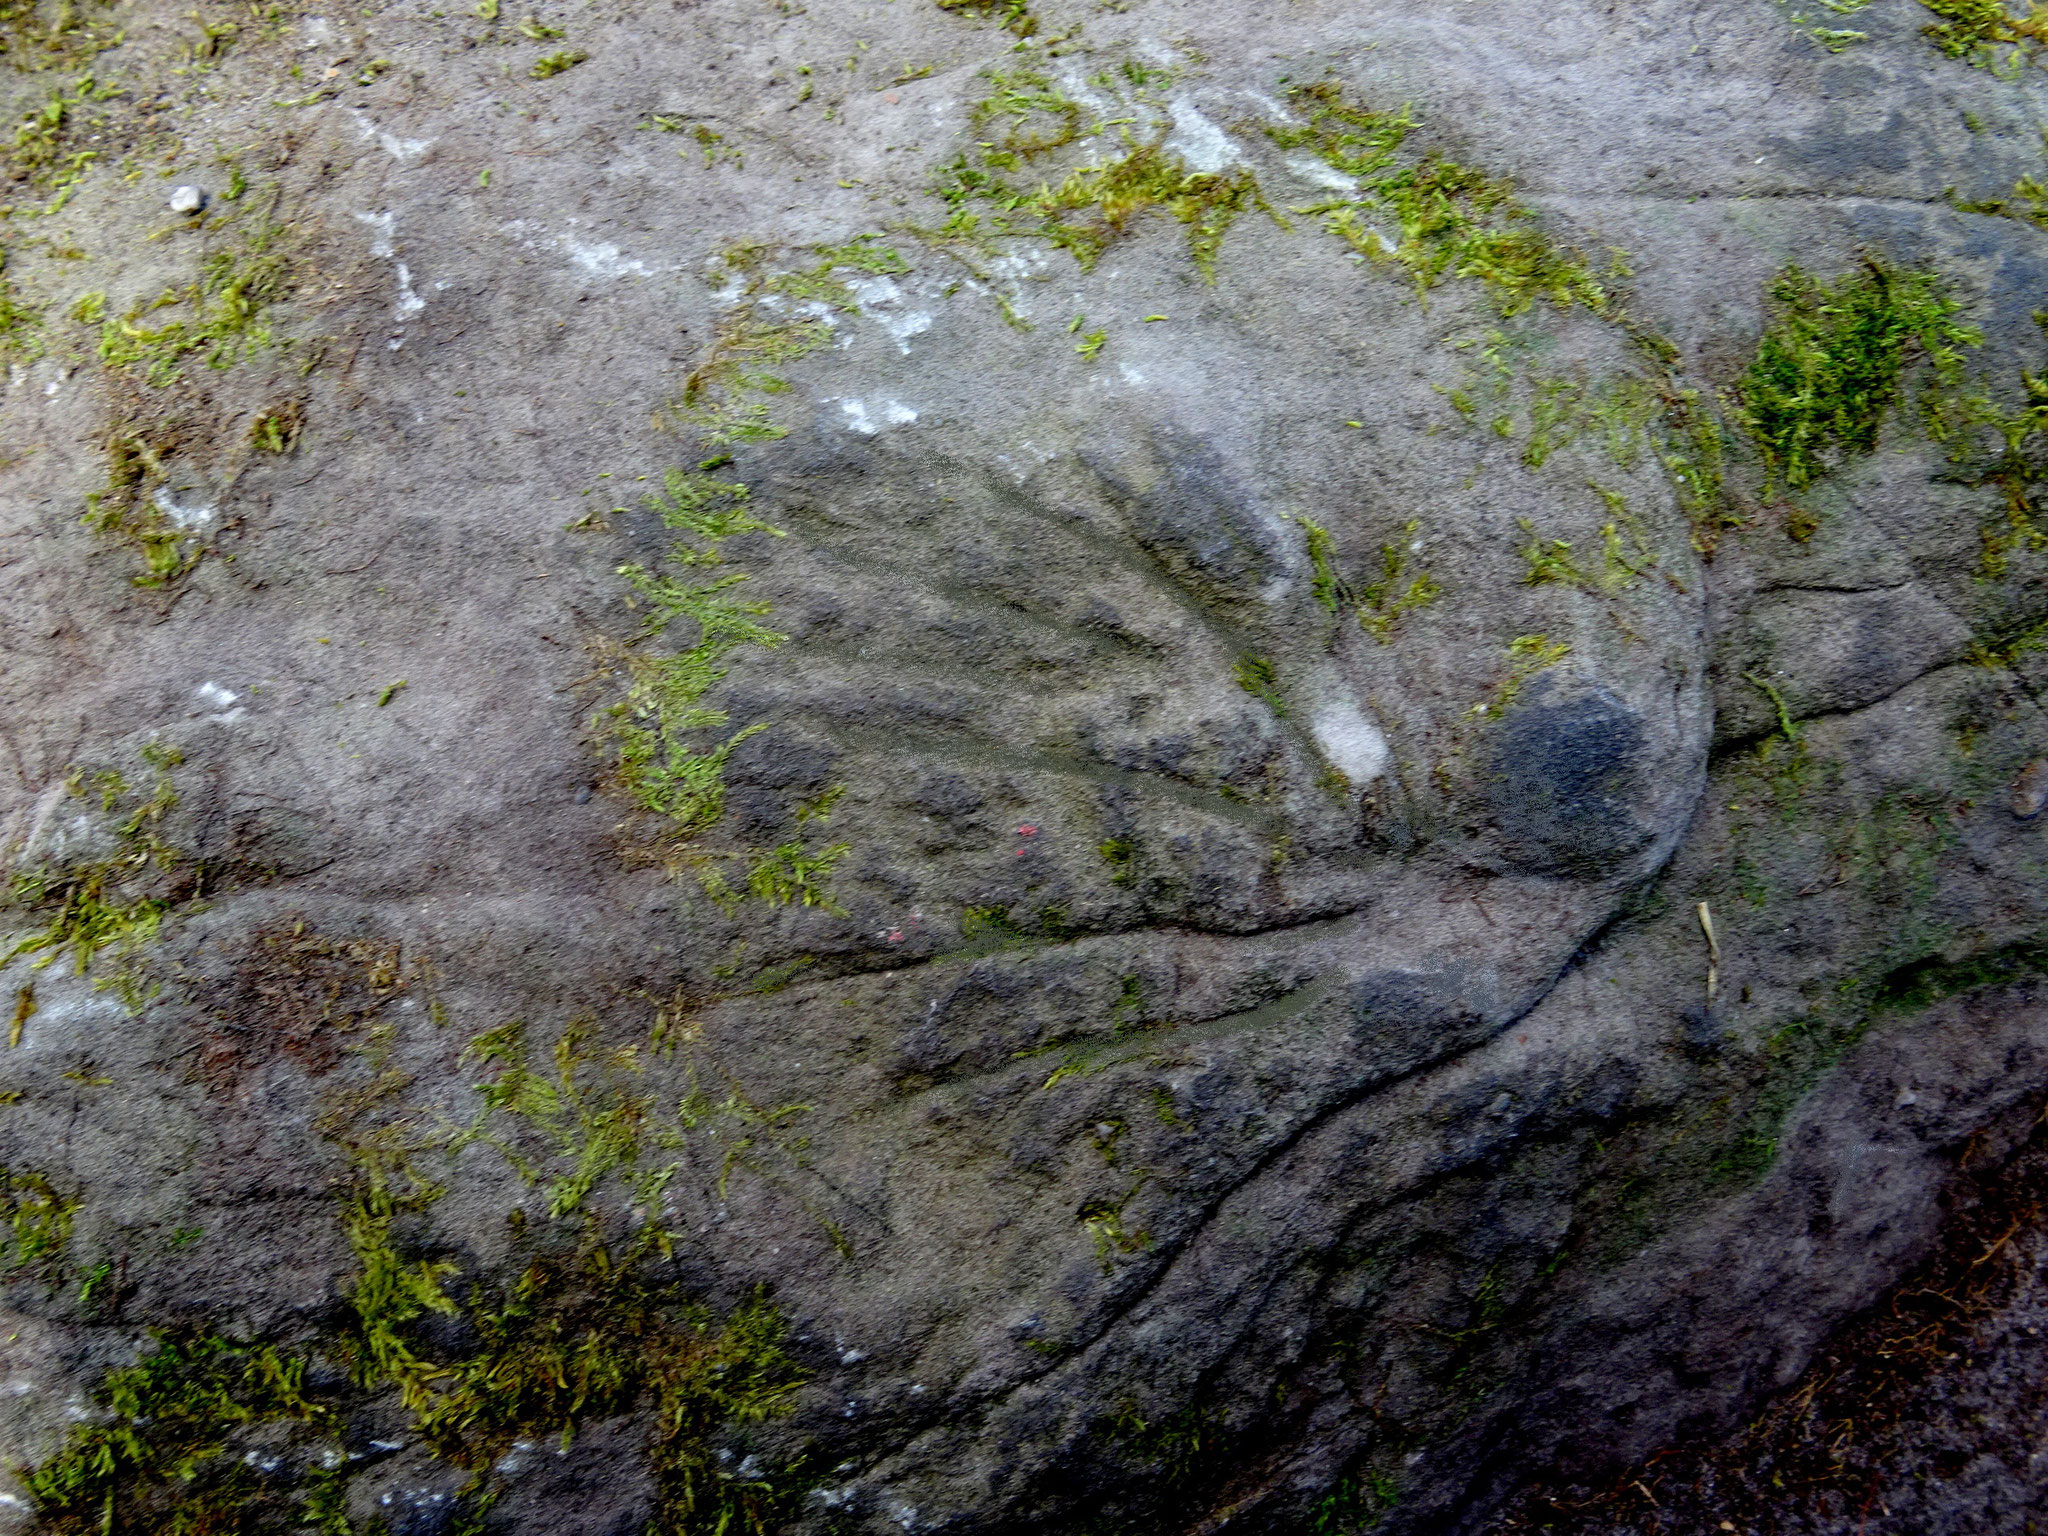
x=1191 y=827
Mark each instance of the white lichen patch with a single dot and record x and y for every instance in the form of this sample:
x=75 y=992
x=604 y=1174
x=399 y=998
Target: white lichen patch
x=1354 y=746
x=384 y=224
x=183 y=516
x=883 y=301
x=867 y=422
x=409 y=302
x=401 y=150
x=220 y=703
x=602 y=259
x=1318 y=174
x=384 y=245
x=1198 y=141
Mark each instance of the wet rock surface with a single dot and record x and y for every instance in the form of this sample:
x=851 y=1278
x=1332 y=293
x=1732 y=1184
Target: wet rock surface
x=991 y=768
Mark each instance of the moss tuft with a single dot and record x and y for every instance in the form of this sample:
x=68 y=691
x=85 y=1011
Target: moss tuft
x=1987 y=33
x=1449 y=220
x=117 y=902
x=1833 y=362
x=1013 y=15
x=35 y=1224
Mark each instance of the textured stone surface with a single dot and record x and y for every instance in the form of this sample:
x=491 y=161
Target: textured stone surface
x=1253 y=1072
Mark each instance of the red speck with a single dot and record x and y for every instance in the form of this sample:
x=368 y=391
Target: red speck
x=890 y=97
x=1027 y=830
x=895 y=935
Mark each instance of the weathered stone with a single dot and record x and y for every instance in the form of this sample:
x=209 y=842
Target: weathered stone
x=1101 y=808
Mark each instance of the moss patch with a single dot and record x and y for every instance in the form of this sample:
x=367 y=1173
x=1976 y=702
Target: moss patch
x=1833 y=362
x=1013 y=15
x=1428 y=215
x=116 y=902
x=1987 y=33
x=663 y=732
x=224 y=312
x=1017 y=183
x=2003 y=446
x=35 y=1224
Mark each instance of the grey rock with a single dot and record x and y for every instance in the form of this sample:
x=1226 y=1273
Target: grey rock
x=2030 y=789
x=1189 y=1025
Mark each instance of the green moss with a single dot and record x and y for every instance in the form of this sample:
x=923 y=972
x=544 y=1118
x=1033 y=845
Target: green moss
x=208 y=1436
x=225 y=321
x=1447 y=220
x=578 y=1335
x=1104 y=1224
x=1327 y=587
x=549 y=65
x=1392 y=592
x=42 y=156
x=1003 y=187
x=1121 y=855
x=1527 y=655
x=1013 y=15
x=1624 y=558
x=2009 y=647
x=20 y=323
x=35 y=1224
x=1255 y=675
x=1834 y=39
x=2003 y=447
x=1921 y=983
x=791 y=874
x=126 y=509
x=726 y=397
x=1692 y=447
x=1987 y=33
x=276 y=428
x=1183 y=1447
x=117 y=903
x=169 y=1454
x=1397 y=588
x=1833 y=362
x=1549 y=560
x=52 y=34
x=1355 y=1505
x=659 y=730
x=2028 y=203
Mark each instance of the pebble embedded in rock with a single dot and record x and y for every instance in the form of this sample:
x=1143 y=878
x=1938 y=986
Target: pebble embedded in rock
x=188 y=200
x=2030 y=789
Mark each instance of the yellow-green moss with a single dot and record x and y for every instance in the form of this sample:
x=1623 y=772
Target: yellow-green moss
x=117 y=903
x=1833 y=362
x=35 y=1223
x=1987 y=33
x=1447 y=220
x=1011 y=184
